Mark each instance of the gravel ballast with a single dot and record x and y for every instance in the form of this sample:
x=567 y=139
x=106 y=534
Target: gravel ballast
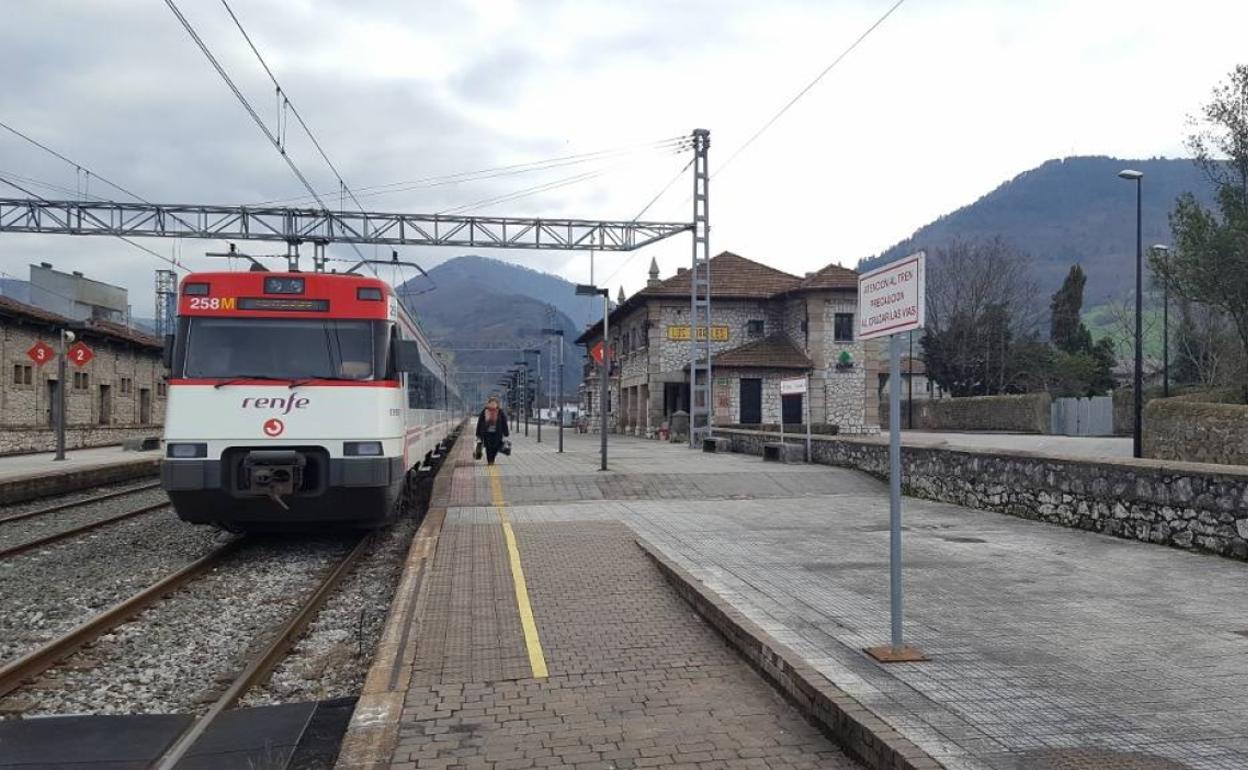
x=13 y=533
x=44 y=593
x=177 y=655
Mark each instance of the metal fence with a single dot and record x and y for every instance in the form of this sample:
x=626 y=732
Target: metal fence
x=1082 y=416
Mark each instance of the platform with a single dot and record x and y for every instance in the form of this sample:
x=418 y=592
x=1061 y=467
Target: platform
x=27 y=476
x=1049 y=647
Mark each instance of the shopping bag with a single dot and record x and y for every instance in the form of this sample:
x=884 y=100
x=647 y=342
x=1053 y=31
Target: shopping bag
x=476 y=451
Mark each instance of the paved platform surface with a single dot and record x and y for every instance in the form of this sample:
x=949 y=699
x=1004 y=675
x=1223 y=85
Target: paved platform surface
x=625 y=675
x=1051 y=648
x=22 y=466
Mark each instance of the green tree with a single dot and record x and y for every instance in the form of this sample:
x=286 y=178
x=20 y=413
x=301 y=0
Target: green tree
x=1066 y=329
x=1209 y=263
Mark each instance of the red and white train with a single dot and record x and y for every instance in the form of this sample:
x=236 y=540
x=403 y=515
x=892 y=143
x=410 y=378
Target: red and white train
x=298 y=398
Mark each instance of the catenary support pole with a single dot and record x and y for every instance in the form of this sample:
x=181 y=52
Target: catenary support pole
x=806 y=403
x=604 y=395
x=560 y=394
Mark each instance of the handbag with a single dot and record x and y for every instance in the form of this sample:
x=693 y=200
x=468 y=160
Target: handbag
x=476 y=450
x=506 y=447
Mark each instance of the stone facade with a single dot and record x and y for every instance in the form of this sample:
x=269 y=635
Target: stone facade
x=119 y=394
x=1190 y=506
x=650 y=376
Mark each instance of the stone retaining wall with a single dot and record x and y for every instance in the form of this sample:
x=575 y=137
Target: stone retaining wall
x=1185 y=505
x=1189 y=430
x=25 y=439
x=1025 y=413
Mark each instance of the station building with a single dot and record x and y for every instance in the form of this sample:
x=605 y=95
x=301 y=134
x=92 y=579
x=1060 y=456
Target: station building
x=120 y=394
x=766 y=326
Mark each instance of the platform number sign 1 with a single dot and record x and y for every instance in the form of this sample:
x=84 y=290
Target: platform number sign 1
x=41 y=353
x=80 y=354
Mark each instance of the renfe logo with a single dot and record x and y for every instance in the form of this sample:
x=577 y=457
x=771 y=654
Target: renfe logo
x=283 y=405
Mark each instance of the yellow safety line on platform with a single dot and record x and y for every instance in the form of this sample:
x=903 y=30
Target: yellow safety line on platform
x=536 y=659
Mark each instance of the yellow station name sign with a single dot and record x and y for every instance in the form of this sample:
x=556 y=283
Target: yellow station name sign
x=681 y=333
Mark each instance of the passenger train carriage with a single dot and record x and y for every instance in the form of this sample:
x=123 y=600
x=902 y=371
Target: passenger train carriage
x=298 y=398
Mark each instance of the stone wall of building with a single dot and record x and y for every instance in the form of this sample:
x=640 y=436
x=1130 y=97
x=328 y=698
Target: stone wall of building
x=845 y=386
x=735 y=314
x=1183 y=505
x=132 y=375
x=24 y=439
x=728 y=383
x=1025 y=413
x=1191 y=430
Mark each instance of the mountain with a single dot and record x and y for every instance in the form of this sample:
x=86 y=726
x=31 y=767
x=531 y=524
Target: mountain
x=1067 y=211
x=462 y=275
x=481 y=311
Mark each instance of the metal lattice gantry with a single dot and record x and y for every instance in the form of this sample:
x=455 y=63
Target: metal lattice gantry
x=300 y=225
x=700 y=408
x=166 y=301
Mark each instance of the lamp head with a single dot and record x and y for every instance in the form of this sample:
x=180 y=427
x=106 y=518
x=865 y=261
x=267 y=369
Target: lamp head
x=589 y=290
x=1132 y=174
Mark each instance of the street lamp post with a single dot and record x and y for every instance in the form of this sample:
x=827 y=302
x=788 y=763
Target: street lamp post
x=559 y=333
x=603 y=395
x=1164 y=250
x=524 y=393
x=538 y=353
x=1137 y=438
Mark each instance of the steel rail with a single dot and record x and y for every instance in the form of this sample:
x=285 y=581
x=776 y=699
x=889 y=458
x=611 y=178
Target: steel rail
x=263 y=663
x=47 y=539
x=45 y=657
x=75 y=504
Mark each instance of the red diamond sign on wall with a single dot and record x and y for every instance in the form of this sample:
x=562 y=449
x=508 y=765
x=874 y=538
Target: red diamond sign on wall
x=80 y=354
x=41 y=353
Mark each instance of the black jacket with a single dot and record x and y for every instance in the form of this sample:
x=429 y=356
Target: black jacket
x=502 y=431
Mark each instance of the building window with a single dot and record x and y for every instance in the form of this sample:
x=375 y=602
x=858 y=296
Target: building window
x=754 y=328
x=160 y=389
x=22 y=374
x=843 y=327
x=127 y=384
x=81 y=381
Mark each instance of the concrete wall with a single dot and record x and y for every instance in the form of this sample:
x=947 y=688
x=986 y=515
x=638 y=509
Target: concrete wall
x=1027 y=413
x=1184 y=505
x=1188 y=429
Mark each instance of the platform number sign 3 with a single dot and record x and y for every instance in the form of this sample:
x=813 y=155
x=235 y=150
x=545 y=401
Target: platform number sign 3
x=41 y=353
x=80 y=354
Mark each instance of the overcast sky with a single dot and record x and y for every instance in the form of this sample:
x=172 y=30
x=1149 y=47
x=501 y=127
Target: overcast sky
x=946 y=100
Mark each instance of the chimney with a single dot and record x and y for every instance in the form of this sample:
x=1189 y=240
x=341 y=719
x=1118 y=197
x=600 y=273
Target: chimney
x=78 y=273
x=681 y=270
x=47 y=265
x=810 y=275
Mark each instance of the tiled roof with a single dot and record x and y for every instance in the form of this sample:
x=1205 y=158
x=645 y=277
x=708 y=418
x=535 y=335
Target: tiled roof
x=14 y=309
x=830 y=277
x=731 y=276
x=774 y=352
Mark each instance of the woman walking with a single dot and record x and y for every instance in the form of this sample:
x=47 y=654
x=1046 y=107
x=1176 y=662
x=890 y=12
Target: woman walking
x=492 y=429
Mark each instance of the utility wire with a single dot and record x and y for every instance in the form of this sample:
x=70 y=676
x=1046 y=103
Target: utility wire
x=71 y=162
x=500 y=171
x=641 y=213
x=809 y=86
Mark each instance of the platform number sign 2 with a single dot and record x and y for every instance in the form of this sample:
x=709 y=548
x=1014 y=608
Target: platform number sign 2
x=41 y=353
x=80 y=354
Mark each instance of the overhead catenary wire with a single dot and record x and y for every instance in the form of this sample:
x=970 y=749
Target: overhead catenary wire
x=805 y=90
x=514 y=169
x=642 y=213
x=71 y=162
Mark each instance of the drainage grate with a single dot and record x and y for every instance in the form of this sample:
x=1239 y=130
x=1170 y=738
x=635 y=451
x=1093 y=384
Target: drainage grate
x=1095 y=759
x=956 y=539
x=1241 y=633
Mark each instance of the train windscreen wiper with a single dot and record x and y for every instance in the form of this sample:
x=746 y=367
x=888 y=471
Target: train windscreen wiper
x=245 y=377
x=305 y=380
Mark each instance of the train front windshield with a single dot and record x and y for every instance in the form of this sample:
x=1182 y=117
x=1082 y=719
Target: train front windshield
x=283 y=348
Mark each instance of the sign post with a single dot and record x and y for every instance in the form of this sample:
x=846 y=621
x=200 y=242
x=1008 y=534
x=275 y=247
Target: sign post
x=795 y=387
x=891 y=302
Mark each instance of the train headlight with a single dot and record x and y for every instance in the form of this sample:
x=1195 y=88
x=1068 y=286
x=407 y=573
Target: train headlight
x=361 y=448
x=185 y=451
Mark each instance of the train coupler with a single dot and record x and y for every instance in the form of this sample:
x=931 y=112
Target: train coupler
x=273 y=474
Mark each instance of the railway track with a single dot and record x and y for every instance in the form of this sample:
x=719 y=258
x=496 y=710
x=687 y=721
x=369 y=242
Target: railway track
x=48 y=655
x=31 y=670
x=63 y=534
